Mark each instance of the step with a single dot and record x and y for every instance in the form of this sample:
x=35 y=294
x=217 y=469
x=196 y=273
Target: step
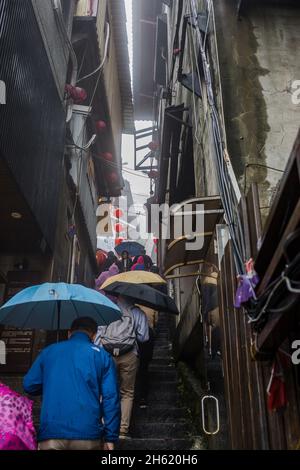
x=161 y=444
x=162 y=343
x=162 y=362
x=159 y=413
x=162 y=375
x=170 y=397
x=160 y=430
x=158 y=385
x=163 y=347
x=167 y=365
x=166 y=356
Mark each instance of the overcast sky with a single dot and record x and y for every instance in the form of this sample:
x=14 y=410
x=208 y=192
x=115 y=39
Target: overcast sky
x=140 y=184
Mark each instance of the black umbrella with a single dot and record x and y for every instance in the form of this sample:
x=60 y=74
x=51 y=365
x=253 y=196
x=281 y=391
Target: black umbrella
x=143 y=295
x=132 y=248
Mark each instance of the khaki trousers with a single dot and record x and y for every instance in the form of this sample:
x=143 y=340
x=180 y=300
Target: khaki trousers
x=63 y=444
x=127 y=367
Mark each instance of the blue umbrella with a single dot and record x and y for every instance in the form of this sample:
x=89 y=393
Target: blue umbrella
x=55 y=306
x=133 y=248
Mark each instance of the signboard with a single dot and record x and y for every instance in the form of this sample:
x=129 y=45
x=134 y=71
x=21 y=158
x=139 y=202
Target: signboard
x=18 y=343
x=19 y=346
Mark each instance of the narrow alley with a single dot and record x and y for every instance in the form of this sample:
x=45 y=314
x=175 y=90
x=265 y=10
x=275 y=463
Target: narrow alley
x=165 y=422
x=150 y=226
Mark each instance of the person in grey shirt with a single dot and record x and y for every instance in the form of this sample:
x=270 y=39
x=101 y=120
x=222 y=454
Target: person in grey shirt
x=127 y=362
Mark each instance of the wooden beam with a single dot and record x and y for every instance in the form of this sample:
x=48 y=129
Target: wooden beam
x=277 y=258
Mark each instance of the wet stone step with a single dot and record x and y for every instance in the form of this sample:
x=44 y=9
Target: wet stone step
x=166 y=357
x=160 y=430
x=162 y=347
x=170 y=397
x=162 y=385
x=159 y=444
x=167 y=365
x=160 y=413
x=162 y=344
x=164 y=375
x=161 y=364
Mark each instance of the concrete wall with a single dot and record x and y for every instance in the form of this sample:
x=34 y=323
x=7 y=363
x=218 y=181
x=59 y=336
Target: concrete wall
x=259 y=60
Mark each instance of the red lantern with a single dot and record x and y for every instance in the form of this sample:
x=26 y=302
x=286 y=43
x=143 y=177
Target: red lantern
x=155 y=240
x=113 y=177
x=100 y=257
x=155 y=250
x=101 y=126
x=119 y=241
x=119 y=228
x=107 y=156
x=118 y=213
x=78 y=95
x=153 y=174
x=153 y=146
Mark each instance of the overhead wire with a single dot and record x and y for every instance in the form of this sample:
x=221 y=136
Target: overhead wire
x=112 y=164
x=223 y=178
x=98 y=69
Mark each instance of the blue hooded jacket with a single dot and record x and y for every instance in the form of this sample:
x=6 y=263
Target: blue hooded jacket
x=78 y=382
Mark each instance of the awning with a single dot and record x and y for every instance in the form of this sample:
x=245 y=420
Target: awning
x=178 y=253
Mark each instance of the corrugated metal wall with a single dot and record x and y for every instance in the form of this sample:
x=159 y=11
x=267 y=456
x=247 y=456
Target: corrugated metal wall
x=32 y=123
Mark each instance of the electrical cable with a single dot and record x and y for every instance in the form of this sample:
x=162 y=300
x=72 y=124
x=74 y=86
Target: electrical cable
x=99 y=69
x=112 y=164
x=223 y=178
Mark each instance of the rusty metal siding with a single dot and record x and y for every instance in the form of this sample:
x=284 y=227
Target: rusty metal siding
x=32 y=123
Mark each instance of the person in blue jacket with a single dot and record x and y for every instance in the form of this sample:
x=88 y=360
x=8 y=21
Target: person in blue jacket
x=81 y=402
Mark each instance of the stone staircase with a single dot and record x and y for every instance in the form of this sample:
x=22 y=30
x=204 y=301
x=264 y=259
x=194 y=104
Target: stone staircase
x=164 y=424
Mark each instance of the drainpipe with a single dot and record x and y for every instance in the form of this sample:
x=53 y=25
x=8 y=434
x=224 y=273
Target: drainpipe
x=73 y=261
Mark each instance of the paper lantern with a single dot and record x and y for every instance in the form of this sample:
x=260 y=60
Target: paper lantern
x=153 y=174
x=153 y=146
x=119 y=228
x=107 y=156
x=100 y=126
x=118 y=213
x=155 y=240
x=78 y=95
x=100 y=257
x=155 y=250
x=113 y=177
